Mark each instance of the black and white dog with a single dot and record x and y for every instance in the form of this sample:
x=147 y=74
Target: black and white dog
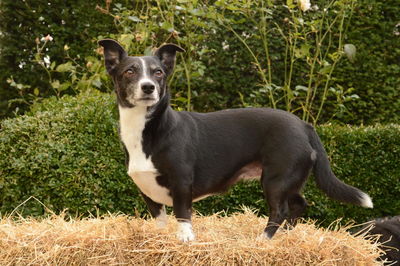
x=176 y=158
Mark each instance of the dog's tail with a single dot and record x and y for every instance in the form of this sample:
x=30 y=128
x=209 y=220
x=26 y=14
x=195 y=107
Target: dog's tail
x=329 y=183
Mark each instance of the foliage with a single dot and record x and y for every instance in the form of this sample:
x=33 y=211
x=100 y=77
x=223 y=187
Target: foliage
x=66 y=153
x=23 y=24
x=312 y=44
x=239 y=53
x=308 y=47
x=375 y=73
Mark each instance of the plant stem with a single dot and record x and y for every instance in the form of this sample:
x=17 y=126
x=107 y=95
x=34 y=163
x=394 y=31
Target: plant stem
x=260 y=70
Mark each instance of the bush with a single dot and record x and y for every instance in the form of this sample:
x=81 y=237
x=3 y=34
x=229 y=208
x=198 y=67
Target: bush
x=66 y=153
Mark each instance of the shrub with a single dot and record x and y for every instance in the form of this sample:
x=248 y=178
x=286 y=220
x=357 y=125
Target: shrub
x=66 y=153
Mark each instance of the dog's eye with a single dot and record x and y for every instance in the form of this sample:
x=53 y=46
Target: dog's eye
x=129 y=72
x=158 y=73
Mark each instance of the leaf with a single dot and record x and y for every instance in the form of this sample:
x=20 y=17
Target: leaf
x=303 y=51
x=350 y=51
x=301 y=88
x=181 y=99
x=67 y=67
x=36 y=92
x=167 y=26
x=126 y=39
x=97 y=83
x=55 y=84
x=195 y=12
x=53 y=65
x=325 y=70
x=148 y=51
x=134 y=18
x=64 y=86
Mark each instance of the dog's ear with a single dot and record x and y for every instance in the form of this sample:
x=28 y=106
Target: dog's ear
x=167 y=53
x=113 y=54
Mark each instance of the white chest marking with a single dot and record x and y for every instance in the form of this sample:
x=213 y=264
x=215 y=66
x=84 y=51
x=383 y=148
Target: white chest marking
x=140 y=169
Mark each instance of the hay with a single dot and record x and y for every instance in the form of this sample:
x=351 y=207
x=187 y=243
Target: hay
x=220 y=241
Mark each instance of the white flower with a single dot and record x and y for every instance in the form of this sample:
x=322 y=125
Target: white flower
x=48 y=38
x=46 y=60
x=305 y=5
x=396 y=30
x=315 y=7
x=225 y=45
x=246 y=35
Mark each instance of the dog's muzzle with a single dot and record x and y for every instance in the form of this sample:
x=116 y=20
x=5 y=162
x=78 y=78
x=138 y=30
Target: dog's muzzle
x=144 y=94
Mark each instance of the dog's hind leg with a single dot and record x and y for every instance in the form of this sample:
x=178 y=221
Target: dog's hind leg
x=297 y=203
x=282 y=191
x=273 y=187
x=297 y=206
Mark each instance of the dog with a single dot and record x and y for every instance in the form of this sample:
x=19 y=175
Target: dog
x=177 y=158
x=388 y=231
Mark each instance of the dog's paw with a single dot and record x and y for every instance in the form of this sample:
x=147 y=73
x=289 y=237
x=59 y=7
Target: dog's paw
x=263 y=236
x=162 y=219
x=185 y=232
x=161 y=222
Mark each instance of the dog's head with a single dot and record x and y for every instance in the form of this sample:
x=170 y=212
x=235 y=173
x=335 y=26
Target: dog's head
x=139 y=80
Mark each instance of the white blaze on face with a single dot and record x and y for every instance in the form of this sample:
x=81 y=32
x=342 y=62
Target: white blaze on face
x=145 y=79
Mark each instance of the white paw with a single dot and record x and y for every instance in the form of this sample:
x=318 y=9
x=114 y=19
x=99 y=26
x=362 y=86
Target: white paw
x=185 y=232
x=161 y=222
x=162 y=219
x=263 y=237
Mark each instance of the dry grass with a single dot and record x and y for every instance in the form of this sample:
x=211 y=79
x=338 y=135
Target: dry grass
x=220 y=241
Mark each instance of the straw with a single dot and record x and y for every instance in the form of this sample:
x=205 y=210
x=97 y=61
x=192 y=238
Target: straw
x=124 y=240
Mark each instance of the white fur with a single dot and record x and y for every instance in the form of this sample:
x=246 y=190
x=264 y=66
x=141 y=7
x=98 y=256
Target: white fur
x=145 y=80
x=140 y=169
x=263 y=236
x=139 y=93
x=162 y=219
x=185 y=232
x=366 y=201
x=144 y=67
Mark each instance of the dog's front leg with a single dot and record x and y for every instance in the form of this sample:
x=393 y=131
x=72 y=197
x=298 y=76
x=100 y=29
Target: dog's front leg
x=157 y=211
x=182 y=200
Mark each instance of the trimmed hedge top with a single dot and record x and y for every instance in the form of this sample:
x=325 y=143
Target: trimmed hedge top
x=66 y=153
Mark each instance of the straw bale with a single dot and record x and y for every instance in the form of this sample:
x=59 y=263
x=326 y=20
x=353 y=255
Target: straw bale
x=119 y=239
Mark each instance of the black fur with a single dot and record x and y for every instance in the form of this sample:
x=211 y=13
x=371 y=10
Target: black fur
x=388 y=231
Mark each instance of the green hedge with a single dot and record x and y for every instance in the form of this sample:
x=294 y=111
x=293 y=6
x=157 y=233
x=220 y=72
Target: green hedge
x=66 y=153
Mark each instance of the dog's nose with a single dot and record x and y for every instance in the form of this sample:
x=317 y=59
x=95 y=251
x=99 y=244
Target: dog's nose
x=148 y=88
